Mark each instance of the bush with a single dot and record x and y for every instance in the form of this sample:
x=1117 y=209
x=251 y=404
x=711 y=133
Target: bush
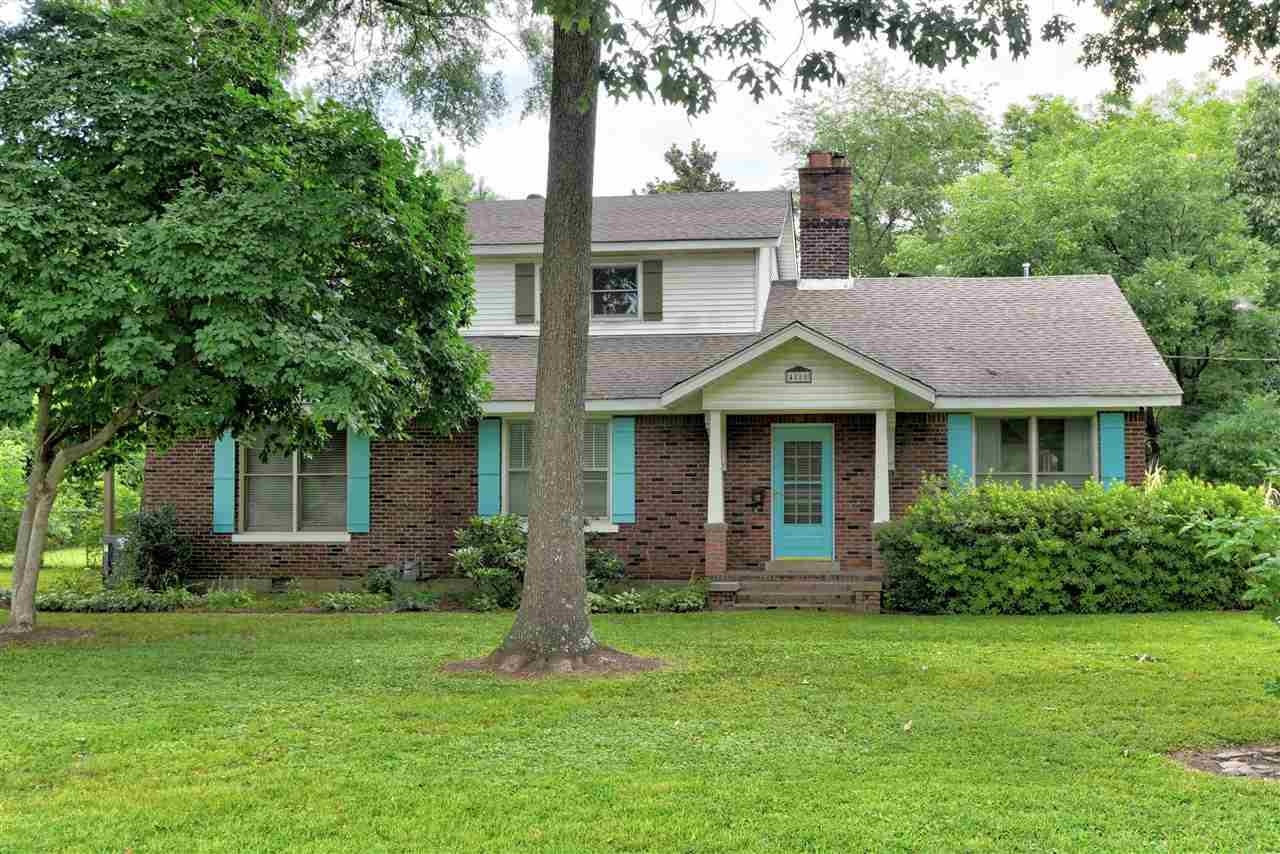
x=384 y=580
x=353 y=601
x=118 y=600
x=1001 y=549
x=603 y=568
x=229 y=599
x=492 y=552
x=692 y=597
x=156 y=556
x=415 y=600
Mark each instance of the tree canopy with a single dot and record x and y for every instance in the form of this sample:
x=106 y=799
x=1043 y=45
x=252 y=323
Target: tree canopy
x=907 y=139
x=695 y=172
x=188 y=249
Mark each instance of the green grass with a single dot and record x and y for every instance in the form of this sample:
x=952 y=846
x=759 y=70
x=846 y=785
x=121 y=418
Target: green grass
x=57 y=563
x=768 y=732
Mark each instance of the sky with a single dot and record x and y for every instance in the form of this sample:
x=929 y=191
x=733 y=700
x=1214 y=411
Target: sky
x=632 y=136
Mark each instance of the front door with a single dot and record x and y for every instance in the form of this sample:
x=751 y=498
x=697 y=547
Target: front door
x=803 y=494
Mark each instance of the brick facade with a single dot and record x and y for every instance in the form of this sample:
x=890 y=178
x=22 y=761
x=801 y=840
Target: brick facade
x=1135 y=447
x=919 y=451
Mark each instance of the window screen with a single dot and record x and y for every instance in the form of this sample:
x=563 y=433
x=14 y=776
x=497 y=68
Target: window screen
x=1004 y=450
x=595 y=468
x=615 y=291
x=315 y=486
x=1065 y=450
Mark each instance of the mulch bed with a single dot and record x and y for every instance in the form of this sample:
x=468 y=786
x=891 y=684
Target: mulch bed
x=43 y=635
x=1258 y=761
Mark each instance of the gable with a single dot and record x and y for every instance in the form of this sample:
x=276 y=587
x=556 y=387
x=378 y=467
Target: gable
x=833 y=384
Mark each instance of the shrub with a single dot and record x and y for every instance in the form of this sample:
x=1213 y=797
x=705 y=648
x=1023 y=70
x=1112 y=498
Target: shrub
x=84 y=582
x=353 y=601
x=415 y=600
x=492 y=552
x=229 y=599
x=384 y=580
x=603 y=568
x=117 y=600
x=692 y=597
x=156 y=555
x=1001 y=549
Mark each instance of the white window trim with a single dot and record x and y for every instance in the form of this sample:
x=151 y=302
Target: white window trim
x=240 y=535
x=638 y=317
x=595 y=524
x=1033 y=442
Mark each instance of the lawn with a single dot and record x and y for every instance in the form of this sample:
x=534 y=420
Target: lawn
x=767 y=732
x=57 y=563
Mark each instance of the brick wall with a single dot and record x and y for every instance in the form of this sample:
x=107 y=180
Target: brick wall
x=424 y=489
x=1135 y=447
x=825 y=184
x=920 y=451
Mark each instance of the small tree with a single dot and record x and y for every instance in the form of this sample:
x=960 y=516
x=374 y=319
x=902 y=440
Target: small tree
x=188 y=249
x=695 y=172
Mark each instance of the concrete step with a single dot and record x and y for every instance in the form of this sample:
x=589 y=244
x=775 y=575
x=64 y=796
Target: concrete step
x=835 y=586
x=795 y=600
x=802 y=567
x=818 y=606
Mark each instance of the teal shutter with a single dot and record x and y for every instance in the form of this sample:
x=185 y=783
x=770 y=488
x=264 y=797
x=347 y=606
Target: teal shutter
x=1111 y=448
x=489 y=468
x=357 y=483
x=623 y=465
x=960 y=447
x=224 y=484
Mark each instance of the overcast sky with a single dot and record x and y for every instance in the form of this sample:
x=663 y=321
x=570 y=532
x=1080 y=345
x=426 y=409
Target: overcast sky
x=633 y=135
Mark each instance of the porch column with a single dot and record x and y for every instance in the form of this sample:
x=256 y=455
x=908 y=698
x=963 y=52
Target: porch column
x=880 y=511
x=716 y=558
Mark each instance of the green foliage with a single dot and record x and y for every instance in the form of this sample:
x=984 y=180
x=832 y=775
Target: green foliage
x=603 y=568
x=156 y=554
x=1239 y=445
x=228 y=599
x=185 y=238
x=408 y=599
x=119 y=600
x=685 y=599
x=492 y=552
x=1257 y=175
x=999 y=548
x=907 y=137
x=351 y=600
x=695 y=172
x=455 y=180
x=384 y=580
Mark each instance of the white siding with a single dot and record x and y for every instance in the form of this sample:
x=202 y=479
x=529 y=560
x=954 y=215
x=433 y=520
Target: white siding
x=707 y=292
x=764 y=277
x=788 y=267
x=761 y=385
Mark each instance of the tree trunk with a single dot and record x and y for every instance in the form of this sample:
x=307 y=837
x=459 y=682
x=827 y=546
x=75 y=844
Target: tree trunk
x=552 y=631
x=22 y=609
x=24 y=527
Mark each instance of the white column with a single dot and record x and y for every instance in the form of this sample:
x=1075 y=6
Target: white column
x=880 y=511
x=715 y=468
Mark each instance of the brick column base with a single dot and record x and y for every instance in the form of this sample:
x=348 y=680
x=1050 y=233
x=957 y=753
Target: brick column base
x=717 y=554
x=869 y=601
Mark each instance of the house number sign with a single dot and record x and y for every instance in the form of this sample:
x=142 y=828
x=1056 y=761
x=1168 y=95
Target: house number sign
x=799 y=375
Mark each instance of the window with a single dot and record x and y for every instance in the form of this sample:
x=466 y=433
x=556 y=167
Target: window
x=595 y=468
x=294 y=492
x=615 y=291
x=1035 y=450
x=802 y=482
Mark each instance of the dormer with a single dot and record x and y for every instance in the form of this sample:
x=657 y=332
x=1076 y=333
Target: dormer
x=663 y=264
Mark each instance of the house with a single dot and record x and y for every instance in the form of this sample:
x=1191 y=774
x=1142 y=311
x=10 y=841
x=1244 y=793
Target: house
x=753 y=412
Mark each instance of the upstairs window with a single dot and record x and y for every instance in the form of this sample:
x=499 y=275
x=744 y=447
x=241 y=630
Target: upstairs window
x=1035 y=450
x=595 y=468
x=294 y=492
x=615 y=291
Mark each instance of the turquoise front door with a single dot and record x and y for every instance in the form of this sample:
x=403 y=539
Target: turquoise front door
x=803 y=491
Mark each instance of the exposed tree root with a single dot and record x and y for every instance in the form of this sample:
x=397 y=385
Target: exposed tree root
x=519 y=664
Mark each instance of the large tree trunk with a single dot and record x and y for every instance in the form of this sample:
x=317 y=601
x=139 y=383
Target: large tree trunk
x=22 y=609
x=552 y=630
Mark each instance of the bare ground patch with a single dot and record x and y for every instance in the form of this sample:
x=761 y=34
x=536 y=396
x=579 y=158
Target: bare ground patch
x=1258 y=761
x=601 y=661
x=43 y=635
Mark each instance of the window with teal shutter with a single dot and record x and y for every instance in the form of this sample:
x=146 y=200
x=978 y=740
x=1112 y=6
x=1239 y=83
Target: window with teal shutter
x=489 y=468
x=960 y=447
x=624 y=470
x=1111 y=448
x=224 y=485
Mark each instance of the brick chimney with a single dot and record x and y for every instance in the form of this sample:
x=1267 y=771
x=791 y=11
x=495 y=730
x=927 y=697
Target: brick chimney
x=825 y=184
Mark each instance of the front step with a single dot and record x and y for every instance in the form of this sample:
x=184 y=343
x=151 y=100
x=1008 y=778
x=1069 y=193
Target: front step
x=802 y=567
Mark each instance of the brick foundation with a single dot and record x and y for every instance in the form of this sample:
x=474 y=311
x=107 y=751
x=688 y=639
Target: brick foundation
x=717 y=553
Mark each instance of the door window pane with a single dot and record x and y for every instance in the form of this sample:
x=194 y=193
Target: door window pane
x=802 y=482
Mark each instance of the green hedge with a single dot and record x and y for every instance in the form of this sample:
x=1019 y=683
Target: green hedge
x=1001 y=549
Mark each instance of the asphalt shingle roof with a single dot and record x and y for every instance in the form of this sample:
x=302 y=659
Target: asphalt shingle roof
x=641 y=219
x=1017 y=337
